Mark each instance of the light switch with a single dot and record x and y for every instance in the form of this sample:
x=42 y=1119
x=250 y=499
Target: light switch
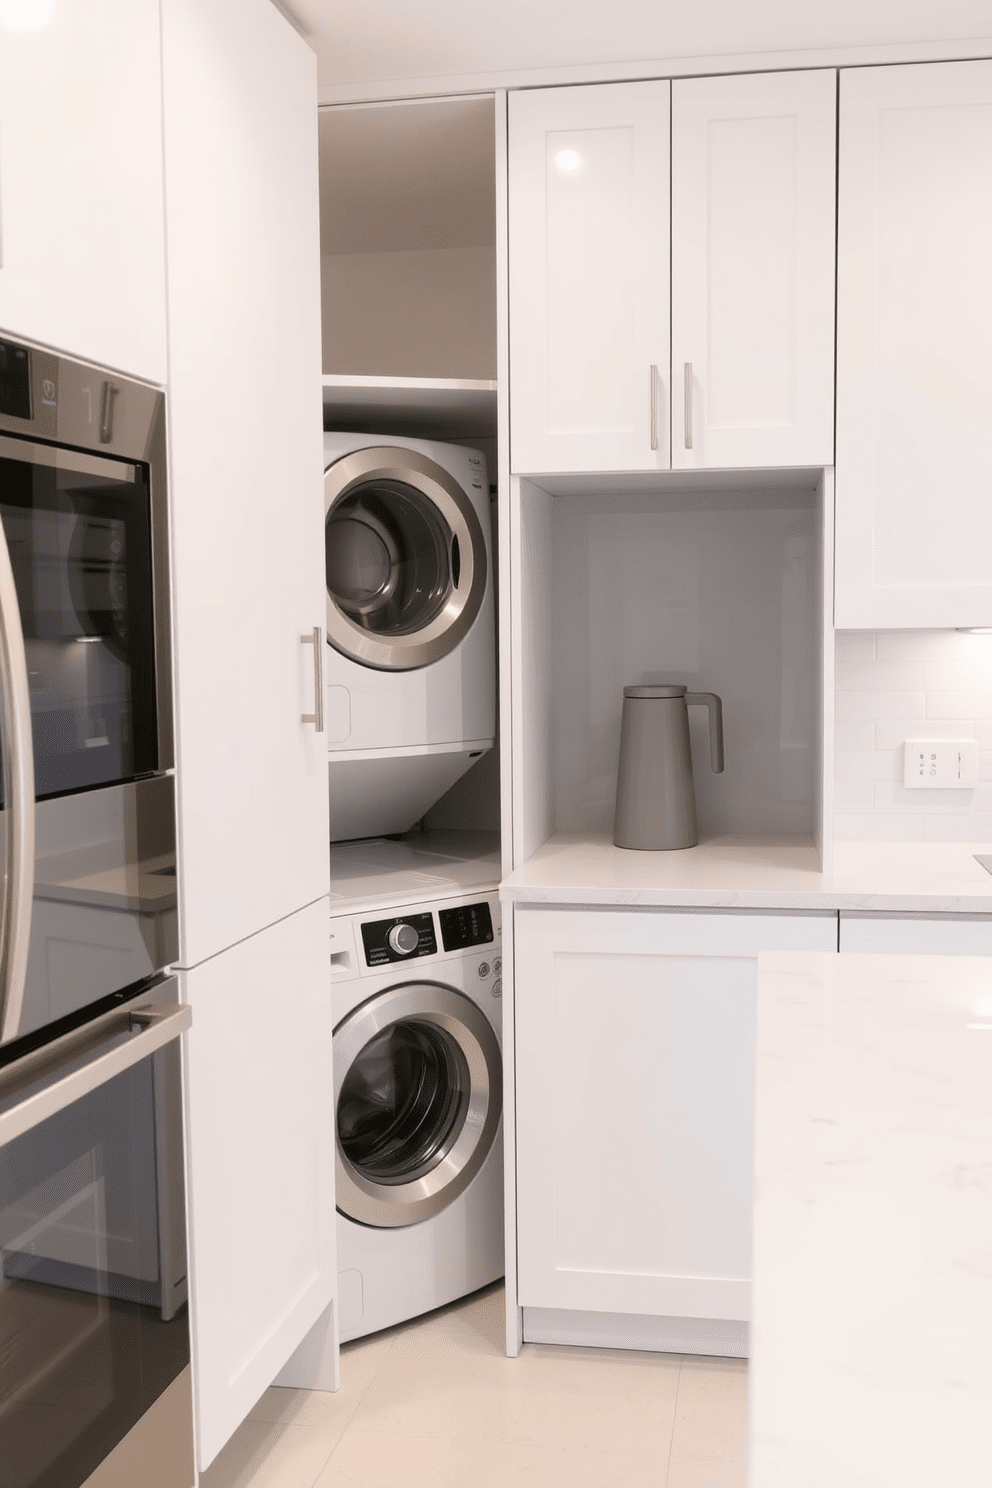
x=941 y=764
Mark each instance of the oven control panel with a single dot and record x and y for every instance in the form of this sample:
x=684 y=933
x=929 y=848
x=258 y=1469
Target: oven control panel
x=402 y=938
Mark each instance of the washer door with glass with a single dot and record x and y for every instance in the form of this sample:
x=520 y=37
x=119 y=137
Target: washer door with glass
x=417 y=1096
x=405 y=559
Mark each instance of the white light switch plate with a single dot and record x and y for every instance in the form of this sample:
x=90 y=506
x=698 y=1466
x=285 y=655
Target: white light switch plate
x=941 y=764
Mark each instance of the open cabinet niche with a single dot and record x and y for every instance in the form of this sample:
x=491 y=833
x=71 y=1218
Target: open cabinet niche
x=408 y=306
x=717 y=582
x=408 y=239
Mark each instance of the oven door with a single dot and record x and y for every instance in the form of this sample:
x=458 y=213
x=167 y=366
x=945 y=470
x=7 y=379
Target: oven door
x=94 y=1338
x=87 y=826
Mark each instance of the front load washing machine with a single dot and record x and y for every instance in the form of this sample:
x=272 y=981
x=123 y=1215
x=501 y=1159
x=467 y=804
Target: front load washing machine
x=410 y=684
x=418 y=1107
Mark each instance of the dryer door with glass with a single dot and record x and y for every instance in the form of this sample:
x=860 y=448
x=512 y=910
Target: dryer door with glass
x=417 y=1095
x=406 y=558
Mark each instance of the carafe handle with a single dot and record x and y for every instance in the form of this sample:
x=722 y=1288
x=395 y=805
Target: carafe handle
x=710 y=701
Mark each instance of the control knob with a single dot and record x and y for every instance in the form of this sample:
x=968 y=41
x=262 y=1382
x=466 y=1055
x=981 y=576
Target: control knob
x=403 y=939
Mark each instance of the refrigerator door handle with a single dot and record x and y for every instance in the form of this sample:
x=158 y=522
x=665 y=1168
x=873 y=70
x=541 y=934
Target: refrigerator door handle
x=16 y=744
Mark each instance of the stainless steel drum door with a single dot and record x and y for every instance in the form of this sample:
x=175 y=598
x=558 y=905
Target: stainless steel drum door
x=417 y=1096
x=405 y=558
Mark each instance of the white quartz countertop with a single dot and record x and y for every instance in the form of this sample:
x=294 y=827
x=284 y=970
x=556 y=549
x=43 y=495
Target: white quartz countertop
x=871 y=1333
x=757 y=873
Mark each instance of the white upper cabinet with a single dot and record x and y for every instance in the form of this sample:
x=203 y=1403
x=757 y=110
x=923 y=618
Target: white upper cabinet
x=598 y=376
x=246 y=466
x=82 y=253
x=753 y=229
x=914 y=347
x=589 y=277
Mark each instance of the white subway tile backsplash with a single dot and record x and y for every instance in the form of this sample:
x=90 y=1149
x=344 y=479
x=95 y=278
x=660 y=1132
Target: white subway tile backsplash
x=892 y=733
x=890 y=794
x=879 y=826
x=854 y=645
x=856 y=733
x=881 y=704
x=854 y=795
x=874 y=676
x=896 y=685
x=976 y=826
x=977 y=703
x=868 y=764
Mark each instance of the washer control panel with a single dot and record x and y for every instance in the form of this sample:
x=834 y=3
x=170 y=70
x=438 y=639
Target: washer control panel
x=402 y=938
x=466 y=925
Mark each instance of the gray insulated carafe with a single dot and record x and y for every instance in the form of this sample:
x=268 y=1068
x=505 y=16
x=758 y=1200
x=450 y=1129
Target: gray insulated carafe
x=656 y=804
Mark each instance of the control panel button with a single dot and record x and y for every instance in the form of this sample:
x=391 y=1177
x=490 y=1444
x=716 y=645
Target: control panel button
x=403 y=939
x=466 y=925
x=497 y=987
x=483 y=968
x=497 y=966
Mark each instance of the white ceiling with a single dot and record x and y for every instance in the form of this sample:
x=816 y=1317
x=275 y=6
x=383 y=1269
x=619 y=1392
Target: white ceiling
x=371 y=48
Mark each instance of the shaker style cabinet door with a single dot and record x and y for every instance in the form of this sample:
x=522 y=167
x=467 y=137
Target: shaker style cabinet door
x=246 y=467
x=589 y=277
x=82 y=250
x=634 y=1105
x=914 y=347
x=753 y=229
x=260 y=1123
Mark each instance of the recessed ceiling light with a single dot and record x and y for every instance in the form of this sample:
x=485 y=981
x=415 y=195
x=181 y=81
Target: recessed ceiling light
x=568 y=160
x=26 y=15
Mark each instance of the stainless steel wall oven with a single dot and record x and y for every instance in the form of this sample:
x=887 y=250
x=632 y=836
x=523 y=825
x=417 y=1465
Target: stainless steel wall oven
x=94 y=1341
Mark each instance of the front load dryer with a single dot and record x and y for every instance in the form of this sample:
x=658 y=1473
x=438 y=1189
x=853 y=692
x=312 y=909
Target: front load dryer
x=418 y=1105
x=410 y=670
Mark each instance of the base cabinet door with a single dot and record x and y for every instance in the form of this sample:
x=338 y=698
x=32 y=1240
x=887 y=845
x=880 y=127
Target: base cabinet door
x=914 y=347
x=82 y=245
x=634 y=1105
x=260 y=1125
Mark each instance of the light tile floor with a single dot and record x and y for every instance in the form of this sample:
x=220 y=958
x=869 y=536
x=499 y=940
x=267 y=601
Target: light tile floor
x=437 y=1404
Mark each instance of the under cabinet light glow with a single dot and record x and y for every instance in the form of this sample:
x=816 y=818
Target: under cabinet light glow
x=974 y=629
x=568 y=160
x=26 y=15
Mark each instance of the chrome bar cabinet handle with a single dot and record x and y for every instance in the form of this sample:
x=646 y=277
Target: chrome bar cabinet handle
x=654 y=406
x=688 y=405
x=316 y=640
x=17 y=891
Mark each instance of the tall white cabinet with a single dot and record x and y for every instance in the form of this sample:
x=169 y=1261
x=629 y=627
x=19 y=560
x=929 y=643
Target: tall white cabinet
x=246 y=467
x=643 y=340
x=914 y=347
x=82 y=252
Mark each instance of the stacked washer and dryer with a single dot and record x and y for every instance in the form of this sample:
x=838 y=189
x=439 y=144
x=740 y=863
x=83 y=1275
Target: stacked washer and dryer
x=409 y=707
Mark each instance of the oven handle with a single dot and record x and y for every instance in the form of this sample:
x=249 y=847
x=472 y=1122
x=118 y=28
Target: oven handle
x=16 y=741
x=59 y=1073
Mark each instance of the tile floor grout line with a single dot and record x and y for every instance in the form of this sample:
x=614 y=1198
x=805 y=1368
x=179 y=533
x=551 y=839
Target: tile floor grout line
x=675 y=1413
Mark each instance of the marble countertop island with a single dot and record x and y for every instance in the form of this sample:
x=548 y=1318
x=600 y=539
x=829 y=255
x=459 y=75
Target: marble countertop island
x=871 y=1334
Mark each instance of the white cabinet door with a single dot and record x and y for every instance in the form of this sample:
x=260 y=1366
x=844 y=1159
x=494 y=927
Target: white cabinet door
x=634 y=1100
x=82 y=253
x=589 y=277
x=246 y=466
x=915 y=935
x=260 y=1123
x=753 y=228
x=914 y=347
